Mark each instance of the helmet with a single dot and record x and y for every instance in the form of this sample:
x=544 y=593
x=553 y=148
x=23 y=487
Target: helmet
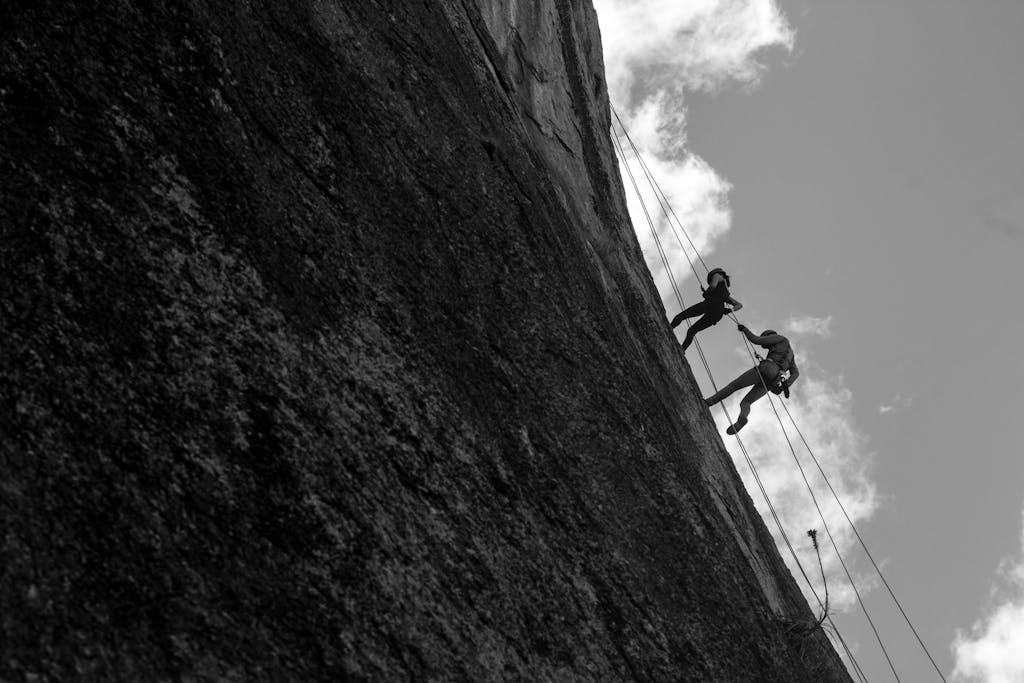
x=767 y=332
x=721 y=272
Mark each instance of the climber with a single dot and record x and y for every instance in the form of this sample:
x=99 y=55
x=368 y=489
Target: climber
x=712 y=309
x=777 y=372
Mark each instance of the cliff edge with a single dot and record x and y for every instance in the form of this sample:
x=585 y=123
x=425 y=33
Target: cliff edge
x=329 y=353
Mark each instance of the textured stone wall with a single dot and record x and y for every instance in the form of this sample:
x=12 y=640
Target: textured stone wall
x=328 y=354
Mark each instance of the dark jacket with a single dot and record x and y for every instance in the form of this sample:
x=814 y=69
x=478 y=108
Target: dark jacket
x=779 y=359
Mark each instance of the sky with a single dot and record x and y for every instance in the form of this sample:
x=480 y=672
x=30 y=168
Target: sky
x=856 y=167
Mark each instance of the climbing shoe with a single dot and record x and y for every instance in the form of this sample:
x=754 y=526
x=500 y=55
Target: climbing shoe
x=733 y=428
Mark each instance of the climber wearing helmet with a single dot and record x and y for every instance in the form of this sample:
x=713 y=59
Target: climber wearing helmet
x=771 y=373
x=712 y=309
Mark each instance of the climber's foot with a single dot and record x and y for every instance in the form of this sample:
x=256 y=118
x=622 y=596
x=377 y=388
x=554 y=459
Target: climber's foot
x=733 y=428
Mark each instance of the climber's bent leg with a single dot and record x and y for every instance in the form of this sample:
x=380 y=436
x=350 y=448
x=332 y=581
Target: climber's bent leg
x=693 y=311
x=757 y=392
x=704 y=323
x=747 y=379
x=753 y=395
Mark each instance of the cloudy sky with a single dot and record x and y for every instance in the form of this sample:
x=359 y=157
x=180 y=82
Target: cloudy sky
x=858 y=169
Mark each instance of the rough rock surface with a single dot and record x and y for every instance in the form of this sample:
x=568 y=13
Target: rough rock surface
x=328 y=353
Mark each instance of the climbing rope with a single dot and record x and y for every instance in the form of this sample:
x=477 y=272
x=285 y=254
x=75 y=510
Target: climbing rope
x=658 y=192
x=654 y=232
x=863 y=545
x=755 y=359
x=659 y=196
x=707 y=368
x=667 y=209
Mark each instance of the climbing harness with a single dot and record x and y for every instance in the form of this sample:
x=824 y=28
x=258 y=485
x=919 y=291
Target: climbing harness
x=774 y=376
x=779 y=384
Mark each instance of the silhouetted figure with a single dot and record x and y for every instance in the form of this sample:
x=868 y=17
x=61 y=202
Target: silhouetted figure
x=771 y=370
x=712 y=309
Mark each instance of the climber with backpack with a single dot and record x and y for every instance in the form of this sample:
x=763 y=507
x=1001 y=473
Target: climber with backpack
x=712 y=309
x=776 y=373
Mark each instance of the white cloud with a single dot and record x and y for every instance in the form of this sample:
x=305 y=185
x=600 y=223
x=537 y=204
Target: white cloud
x=676 y=46
x=655 y=52
x=823 y=410
x=808 y=325
x=897 y=402
x=993 y=649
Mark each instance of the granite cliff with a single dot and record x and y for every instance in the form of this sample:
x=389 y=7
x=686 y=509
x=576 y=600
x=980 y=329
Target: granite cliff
x=328 y=353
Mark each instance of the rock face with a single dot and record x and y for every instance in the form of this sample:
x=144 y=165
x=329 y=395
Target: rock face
x=328 y=353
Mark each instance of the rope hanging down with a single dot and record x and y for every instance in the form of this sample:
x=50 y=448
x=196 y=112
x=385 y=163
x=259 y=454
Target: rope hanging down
x=754 y=358
x=663 y=202
x=662 y=197
x=864 y=545
x=739 y=441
